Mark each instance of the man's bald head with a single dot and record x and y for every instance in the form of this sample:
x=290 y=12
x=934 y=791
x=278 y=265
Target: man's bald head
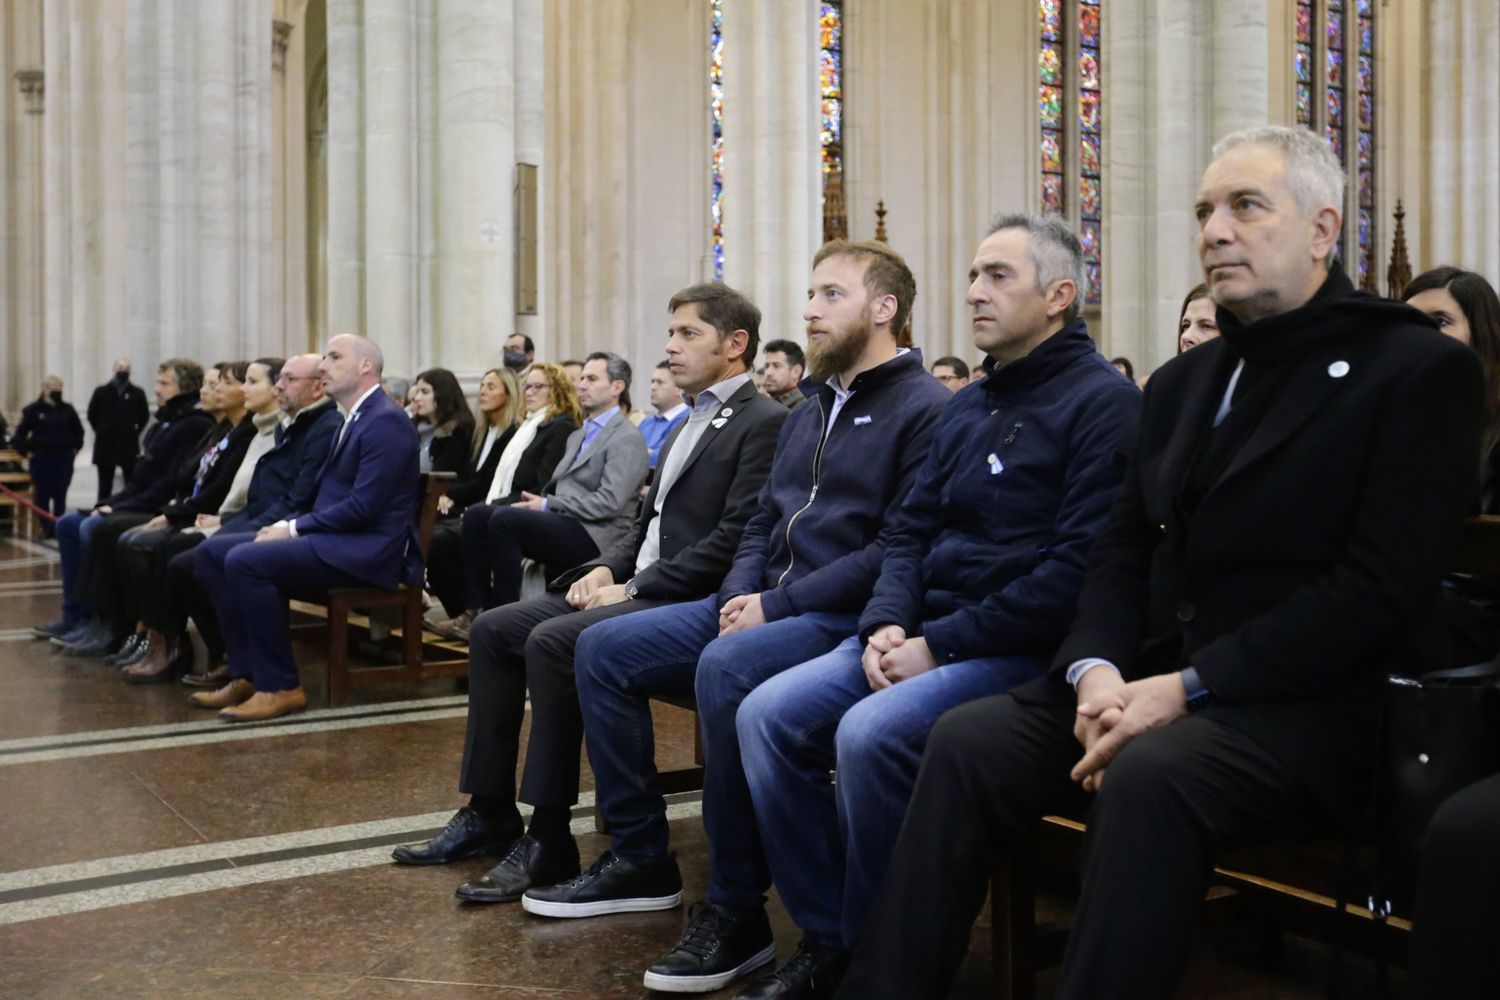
x=350 y=366
x=300 y=385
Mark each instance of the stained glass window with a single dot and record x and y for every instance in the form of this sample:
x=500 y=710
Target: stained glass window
x=831 y=93
x=716 y=131
x=1071 y=114
x=1339 y=102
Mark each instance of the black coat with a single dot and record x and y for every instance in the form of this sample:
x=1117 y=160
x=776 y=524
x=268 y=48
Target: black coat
x=539 y=460
x=45 y=428
x=173 y=444
x=705 y=513
x=474 y=483
x=117 y=417
x=449 y=447
x=1308 y=568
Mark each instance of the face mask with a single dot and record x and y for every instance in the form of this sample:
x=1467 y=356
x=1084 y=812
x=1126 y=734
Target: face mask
x=55 y=395
x=122 y=377
x=515 y=360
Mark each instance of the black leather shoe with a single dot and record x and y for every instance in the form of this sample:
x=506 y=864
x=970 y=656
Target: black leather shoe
x=467 y=835
x=814 y=973
x=611 y=885
x=530 y=862
x=134 y=651
x=718 y=947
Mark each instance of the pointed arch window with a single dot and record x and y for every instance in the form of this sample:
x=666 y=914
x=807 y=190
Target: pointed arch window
x=1070 y=92
x=716 y=133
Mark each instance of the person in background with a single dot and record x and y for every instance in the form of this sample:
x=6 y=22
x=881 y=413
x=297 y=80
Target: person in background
x=397 y=388
x=1124 y=367
x=520 y=353
x=759 y=378
x=574 y=370
x=1197 y=322
x=49 y=435
x=952 y=372
x=670 y=411
x=444 y=424
x=118 y=414
x=785 y=367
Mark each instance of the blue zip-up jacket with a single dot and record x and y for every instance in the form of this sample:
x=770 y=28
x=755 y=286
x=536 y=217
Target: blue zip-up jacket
x=286 y=477
x=813 y=544
x=986 y=556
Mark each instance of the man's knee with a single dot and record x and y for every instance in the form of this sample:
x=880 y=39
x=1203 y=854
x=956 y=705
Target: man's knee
x=551 y=645
x=868 y=735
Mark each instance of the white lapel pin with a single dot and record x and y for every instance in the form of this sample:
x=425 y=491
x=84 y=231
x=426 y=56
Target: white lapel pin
x=1338 y=369
x=718 y=422
x=726 y=411
x=861 y=420
x=996 y=466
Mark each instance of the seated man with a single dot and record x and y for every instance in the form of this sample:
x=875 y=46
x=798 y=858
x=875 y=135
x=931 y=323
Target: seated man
x=169 y=444
x=1275 y=552
x=667 y=400
x=587 y=507
x=800 y=577
x=360 y=532
x=981 y=574
x=785 y=366
x=952 y=372
x=706 y=489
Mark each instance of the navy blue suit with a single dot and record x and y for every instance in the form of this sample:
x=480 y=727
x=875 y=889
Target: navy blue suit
x=361 y=531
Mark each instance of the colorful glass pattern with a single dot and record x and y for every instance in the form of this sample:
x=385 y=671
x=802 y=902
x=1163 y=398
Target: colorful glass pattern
x=1088 y=156
x=1049 y=101
x=716 y=131
x=831 y=87
x=1090 y=139
x=1302 y=62
x=1052 y=193
x=1049 y=64
x=1071 y=110
x=1051 y=153
x=1364 y=86
x=1049 y=14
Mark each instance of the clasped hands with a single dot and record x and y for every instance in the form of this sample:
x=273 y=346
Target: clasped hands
x=1112 y=712
x=595 y=589
x=891 y=656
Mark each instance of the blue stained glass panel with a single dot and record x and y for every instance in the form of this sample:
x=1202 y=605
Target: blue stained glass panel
x=1366 y=111
x=1363 y=7
x=1303 y=60
x=1049 y=100
x=1336 y=143
x=1367 y=189
x=1090 y=198
x=1088 y=25
x=1304 y=104
x=1088 y=110
x=1049 y=64
x=1304 y=24
x=830 y=27
x=1335 y=30
x=1366 y=36
x=1366 y=74
x=1335 y=68
x=1088 y=235
x=1049 y=12
x=1052 y=153
x=1335 y=4
x=1366 y=144
x=1094 y=275
x=1088 y=70
x=1335 y=108
x=1088 y=155
x=1052 y=193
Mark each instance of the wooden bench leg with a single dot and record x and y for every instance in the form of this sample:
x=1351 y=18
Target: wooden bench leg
x=338 y=651
x=1013 y=925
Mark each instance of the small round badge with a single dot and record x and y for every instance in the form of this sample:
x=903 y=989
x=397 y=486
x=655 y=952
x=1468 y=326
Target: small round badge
x=1338 y=369
x=729 y=409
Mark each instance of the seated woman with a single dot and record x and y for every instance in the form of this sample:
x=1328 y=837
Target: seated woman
x=146 y=552
x=552 y=413
x=1465 y=307
x=444 y=424
x=1197 y=321
x=498 y=413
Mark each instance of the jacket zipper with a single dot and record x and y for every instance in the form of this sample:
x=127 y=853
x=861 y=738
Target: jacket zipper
x=817 y=468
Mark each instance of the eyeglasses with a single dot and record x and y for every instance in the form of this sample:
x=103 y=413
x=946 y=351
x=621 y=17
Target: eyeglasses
x=297 y=378
x=949 y=378
x=533 y=386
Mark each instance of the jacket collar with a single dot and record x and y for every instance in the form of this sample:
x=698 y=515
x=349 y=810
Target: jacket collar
x=903 y=365
x=1058 y=352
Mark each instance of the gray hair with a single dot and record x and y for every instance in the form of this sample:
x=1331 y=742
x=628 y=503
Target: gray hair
x=1313 y=174
x=396 y=386
x=1054 y=251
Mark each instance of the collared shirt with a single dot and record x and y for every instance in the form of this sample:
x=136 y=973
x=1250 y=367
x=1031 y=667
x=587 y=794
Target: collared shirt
x=841 y=396
x=705 y=408
x=658 y=427
x=592 y=426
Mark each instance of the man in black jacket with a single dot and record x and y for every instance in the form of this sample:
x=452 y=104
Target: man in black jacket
x=802 y=573
x=117 y=412
x=49 y=435
x=710 y=472
x=1275 y=551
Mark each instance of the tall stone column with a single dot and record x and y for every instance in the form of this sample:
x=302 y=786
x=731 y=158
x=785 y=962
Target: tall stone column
x=473 y=178
x=529 y=47
x=1463 y=137
x=772 y=206
x=287 y=314
x=21 y=276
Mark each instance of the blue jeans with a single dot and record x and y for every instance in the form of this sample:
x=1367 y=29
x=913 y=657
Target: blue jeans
x=74 y=531
x=676 y=651
x=830 y=844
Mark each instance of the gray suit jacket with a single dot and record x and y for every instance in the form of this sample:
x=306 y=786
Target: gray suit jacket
x=601 y=490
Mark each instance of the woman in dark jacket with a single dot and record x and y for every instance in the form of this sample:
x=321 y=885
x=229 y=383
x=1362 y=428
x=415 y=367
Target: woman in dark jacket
x=50 y=435
x=444 y=425
x=527 y=463
x=495 y=421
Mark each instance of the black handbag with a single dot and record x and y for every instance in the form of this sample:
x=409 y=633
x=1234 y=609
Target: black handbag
x=1442 y=734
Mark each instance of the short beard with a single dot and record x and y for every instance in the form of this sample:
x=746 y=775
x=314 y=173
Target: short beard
x=835 y=353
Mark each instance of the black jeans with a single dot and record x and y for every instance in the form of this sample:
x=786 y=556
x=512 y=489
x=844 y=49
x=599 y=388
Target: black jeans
x=1453 y=948
x=495 y=540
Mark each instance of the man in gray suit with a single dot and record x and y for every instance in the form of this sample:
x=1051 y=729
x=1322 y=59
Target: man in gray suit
x=587 y=508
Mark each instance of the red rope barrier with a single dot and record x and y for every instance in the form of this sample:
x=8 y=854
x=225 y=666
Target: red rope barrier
x=23 y=498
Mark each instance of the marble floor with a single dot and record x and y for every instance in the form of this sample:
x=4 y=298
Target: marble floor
x=148 y=851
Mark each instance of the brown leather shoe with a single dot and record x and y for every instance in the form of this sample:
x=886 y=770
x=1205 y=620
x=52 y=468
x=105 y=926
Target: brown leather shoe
x=215 y=678
x=233 y=693
x=456 y=629
x=266 y=705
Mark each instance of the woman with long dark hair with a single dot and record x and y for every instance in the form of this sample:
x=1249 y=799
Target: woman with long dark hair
x=444 y=424
x=1197 y=321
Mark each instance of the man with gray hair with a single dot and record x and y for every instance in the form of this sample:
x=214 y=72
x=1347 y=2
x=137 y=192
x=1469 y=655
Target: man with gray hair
x=1297 y=489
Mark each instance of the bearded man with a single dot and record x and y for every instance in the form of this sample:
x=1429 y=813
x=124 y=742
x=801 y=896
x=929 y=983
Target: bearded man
x=803 y=571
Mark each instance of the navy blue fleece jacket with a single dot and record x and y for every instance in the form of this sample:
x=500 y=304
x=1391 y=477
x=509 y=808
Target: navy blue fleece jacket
x=813 y=544
x=986 y=556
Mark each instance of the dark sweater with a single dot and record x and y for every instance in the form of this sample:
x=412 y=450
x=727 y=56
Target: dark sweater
x=812 y=544
x=48 y=429
x=286 y=477
x=175 y=440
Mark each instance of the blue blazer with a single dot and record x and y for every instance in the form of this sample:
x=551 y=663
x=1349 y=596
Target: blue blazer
x=364 y=517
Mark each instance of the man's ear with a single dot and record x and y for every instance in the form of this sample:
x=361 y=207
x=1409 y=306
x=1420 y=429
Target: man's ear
x=1327 y=225
x=1060 y=295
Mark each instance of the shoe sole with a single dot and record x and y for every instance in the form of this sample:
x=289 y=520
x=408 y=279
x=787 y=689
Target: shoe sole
x=491 y=849
x=706 y=984
x=602 y=907
x=485 y=896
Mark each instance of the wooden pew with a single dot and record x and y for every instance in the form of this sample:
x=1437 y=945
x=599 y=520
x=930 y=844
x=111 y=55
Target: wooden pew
x=1294 y=883
x=15 y=477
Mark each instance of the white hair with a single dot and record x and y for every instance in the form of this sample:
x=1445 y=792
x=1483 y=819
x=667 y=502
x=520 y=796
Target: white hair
x=1313 y=173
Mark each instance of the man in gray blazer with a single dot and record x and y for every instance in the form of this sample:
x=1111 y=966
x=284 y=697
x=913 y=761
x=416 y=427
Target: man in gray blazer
x=587 y=507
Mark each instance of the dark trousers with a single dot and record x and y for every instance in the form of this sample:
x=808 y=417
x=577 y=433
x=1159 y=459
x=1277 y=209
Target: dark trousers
x=182 y=581
x=495 y=540
x=1172 y=801
x=1453 y=951
x=51 y=474
x=101 y=580
x=445 y=565
x=151 y=594
x=521 y=646
x=107 y=477
x=248 y=582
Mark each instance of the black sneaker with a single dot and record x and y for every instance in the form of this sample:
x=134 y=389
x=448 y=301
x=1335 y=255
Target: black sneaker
x=611 y=885
x=529 y=862
x=718 y=947
x=814 y=973
x=467 y=834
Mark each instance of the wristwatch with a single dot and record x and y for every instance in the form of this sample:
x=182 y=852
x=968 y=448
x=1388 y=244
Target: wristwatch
x=630 y=591
x=1198 y=696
